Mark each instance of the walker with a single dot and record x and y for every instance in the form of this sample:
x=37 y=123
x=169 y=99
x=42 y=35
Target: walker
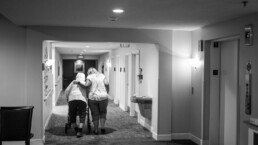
x=68 y=124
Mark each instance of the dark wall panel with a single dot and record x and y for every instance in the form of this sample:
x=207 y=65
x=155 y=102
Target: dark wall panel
x=68 y=70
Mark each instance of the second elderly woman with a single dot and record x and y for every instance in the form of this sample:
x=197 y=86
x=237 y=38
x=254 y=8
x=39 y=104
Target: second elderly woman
x=98 y=98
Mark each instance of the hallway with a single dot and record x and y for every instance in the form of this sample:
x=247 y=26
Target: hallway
x=121 y=129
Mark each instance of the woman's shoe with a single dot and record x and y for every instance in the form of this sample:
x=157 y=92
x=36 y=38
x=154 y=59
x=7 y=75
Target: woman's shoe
x=103 y=130
x=95 y=132
x=67 y=126
x=76 y=129
x=79 y=133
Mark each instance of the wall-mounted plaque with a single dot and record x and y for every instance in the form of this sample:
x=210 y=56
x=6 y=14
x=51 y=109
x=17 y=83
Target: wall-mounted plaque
x=248 y=38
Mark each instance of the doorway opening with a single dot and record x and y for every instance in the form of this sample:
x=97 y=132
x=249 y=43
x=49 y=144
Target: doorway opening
x=61 y=61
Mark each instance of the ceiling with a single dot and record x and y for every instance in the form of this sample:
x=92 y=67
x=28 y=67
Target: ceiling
x=139 y=14
x=85 y=48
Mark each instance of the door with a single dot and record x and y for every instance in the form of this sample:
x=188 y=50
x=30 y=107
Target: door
x=117 y=96
x=223 y=124
x=122 y=94
x=134 y=84
x=112 y=78
x=127 y=88
x=228 y=92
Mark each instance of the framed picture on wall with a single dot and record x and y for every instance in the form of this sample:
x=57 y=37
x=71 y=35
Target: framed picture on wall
x=45 y=53
x=79 y=66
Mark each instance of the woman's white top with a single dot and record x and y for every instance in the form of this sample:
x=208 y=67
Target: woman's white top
x=97 y=90
x=75 y=92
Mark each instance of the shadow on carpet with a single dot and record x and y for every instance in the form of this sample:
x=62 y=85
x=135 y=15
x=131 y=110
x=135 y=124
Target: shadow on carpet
x=60 y=131
x=135 y=141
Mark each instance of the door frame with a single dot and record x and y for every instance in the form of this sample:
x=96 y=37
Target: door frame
x=117 y=90
x=207 y=90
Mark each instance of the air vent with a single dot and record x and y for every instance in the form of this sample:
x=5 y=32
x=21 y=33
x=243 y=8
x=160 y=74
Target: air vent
x=112 y=18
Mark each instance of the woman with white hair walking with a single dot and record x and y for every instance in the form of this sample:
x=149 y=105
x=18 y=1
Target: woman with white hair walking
x=76 y=96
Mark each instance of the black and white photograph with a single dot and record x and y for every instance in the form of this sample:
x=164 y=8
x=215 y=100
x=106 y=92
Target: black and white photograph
x=129 y=72
x=78 y=67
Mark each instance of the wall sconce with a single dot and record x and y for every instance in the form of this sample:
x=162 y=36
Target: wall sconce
x=47 y=65
x=80 y=56
x=108 y=63
x=195 y=62
x=140 y=76
x=248 y=35
x=49 y=62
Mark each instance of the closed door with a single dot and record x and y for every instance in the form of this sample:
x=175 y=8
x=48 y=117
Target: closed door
x=118 y=87
x=228 y=92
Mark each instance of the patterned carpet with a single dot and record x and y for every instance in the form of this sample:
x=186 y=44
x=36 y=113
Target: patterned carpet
x=121 y=129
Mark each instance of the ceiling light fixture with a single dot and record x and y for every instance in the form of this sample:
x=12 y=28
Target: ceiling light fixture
x=80 y=56
x=118 y=11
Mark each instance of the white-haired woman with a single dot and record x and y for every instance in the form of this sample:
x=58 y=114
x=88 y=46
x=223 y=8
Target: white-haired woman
x=98 y=98
x=76 y=96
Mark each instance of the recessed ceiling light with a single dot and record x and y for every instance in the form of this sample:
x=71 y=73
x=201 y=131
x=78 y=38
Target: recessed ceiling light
x=118 y=11
x=87 y=46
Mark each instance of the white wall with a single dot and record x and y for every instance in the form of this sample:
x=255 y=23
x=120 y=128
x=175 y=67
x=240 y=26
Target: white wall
x=181 y=82
x=197 y=83
x=58 y=84
x=103 y=60
x=12 y=64
x=57 y=81
x=48 y=72
x=149 y=62
x=226 y=29
x=34 y=83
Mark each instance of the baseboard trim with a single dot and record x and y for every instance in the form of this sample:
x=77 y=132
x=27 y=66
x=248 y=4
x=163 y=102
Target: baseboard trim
x=195 y=139
x=37 y=141
x=48 y=119
x=154 y=134
x=162 y=137
x=205 y=142
x=124 y=108
x=198 y=141
x=116 y=101
x=143 y=123
x=176 y=136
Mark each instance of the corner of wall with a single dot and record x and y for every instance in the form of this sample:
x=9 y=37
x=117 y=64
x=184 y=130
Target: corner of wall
x=161 y=137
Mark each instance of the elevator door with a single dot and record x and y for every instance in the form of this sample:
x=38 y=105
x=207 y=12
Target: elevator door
x=228 y=92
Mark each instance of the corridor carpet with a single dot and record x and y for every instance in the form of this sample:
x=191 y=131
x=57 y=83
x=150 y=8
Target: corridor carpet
x=121 y=129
